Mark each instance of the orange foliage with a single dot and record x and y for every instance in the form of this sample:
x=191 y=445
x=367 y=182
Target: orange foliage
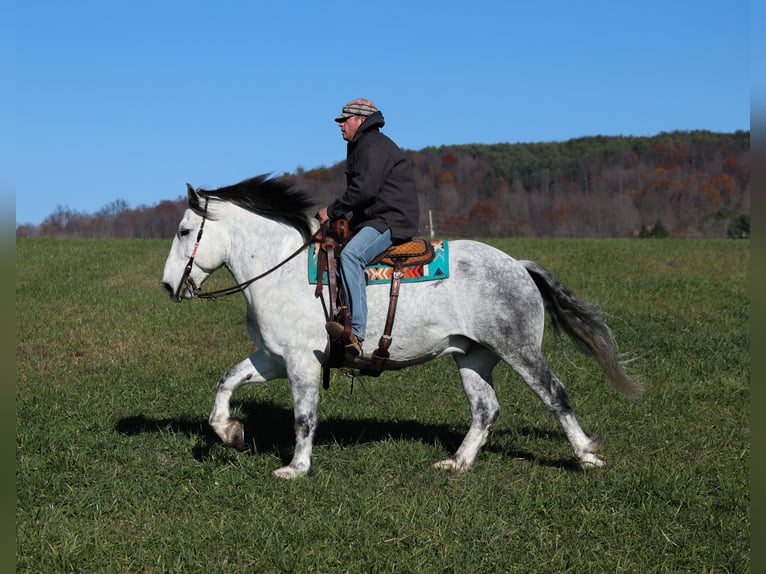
x=483 y=213
x=564 y=212
x=723 y=183
x=445 y=177
x=456 y=224
x=669 y=155
x=712 y=196
x=731 y=166
x=718 y=189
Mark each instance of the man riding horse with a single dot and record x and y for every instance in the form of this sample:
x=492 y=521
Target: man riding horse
x=380 y=194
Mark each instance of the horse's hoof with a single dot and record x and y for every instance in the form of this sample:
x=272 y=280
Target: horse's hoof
x=590 y=460
x=288 y=473
x=235 y=435
x=450 y=465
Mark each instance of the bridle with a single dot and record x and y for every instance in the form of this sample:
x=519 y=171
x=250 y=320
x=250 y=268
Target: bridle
x=188 y=283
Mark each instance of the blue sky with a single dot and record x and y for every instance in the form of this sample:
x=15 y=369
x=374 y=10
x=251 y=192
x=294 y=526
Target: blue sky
x=131 y=100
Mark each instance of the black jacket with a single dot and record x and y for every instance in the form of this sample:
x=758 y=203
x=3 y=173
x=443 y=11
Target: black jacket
x=380 y=189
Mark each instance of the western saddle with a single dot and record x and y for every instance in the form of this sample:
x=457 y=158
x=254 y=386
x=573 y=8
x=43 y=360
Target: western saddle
x=335 y=235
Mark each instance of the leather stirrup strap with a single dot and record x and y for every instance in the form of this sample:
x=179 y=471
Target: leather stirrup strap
x=327 y=262
x=321 y=269
x=380 y=355
x=332 y=281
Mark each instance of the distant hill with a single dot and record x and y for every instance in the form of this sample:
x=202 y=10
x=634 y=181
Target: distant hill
x=682 y=184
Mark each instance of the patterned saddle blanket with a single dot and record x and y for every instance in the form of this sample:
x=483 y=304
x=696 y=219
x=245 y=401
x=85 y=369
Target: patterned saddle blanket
x=379 y=273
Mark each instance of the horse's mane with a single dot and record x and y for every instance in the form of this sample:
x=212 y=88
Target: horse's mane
x=270 y=197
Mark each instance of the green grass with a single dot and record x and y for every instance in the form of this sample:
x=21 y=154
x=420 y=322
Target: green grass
x=117 y=471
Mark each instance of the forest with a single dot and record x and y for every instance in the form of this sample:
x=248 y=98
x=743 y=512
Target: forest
x=690 y=184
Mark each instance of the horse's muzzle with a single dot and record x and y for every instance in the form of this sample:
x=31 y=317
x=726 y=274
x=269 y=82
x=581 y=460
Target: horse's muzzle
x=168 y=289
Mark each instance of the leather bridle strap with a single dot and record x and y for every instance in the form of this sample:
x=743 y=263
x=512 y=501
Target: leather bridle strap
x=188 y=283
x=186 y=280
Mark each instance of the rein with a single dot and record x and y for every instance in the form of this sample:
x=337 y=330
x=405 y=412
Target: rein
x=242 y=286
x=188 y=282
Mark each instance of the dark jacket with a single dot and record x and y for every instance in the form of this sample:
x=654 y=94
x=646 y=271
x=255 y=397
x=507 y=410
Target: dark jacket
x=380 y=189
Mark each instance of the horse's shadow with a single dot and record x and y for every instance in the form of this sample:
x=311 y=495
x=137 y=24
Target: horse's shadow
x=268 y=428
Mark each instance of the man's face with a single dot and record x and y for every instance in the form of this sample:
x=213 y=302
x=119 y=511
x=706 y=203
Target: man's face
x=349 y=127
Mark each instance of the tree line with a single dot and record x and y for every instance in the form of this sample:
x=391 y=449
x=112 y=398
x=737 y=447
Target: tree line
x=681 y=184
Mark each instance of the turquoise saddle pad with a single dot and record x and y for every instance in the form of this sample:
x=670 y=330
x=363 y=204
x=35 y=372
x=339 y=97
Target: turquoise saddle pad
x=378 y=274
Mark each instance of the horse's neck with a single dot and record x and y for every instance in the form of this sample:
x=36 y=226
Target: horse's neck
x=258 y=244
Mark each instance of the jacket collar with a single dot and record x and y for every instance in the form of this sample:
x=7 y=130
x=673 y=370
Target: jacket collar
x=374 y=121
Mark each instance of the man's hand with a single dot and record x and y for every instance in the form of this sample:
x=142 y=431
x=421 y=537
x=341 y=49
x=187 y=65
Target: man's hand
x=322 y=215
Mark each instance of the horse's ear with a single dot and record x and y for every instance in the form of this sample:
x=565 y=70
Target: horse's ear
x=193 y=195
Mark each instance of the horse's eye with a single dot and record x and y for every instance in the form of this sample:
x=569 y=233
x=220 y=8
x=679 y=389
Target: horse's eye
x=183 y=232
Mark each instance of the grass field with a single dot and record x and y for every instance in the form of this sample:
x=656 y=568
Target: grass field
x=117 y=471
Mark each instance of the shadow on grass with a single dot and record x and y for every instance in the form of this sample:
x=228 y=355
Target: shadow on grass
x=268 y=428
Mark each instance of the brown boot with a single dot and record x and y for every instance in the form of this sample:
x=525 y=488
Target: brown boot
x=335 y=330
x=352 y=344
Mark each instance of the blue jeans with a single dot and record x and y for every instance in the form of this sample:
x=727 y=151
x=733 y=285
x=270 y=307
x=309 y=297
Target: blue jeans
x=363 y=247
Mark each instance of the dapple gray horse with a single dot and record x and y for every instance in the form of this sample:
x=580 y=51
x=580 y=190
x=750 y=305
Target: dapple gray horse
x=490 y=308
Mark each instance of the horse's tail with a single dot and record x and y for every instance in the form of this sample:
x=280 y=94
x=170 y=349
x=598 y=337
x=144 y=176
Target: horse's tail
x=583 y=323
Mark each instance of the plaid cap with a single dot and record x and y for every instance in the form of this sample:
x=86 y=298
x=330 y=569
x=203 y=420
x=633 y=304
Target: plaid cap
x=358 y=107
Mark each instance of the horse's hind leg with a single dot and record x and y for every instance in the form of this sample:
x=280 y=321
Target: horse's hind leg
x=476 y=373
x=257 y=368
x=536 y=373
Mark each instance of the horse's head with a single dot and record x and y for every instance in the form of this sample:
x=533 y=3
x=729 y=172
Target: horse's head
x=280 y=212
x=196 y=251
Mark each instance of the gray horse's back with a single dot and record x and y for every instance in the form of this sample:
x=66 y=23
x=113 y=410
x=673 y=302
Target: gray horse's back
x=488 y=299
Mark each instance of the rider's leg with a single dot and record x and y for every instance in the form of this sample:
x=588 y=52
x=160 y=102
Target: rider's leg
x=363 y=247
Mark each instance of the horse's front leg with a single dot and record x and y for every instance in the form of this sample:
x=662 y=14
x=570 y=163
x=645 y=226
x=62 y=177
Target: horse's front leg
x=257 y=368
x=304 y=384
